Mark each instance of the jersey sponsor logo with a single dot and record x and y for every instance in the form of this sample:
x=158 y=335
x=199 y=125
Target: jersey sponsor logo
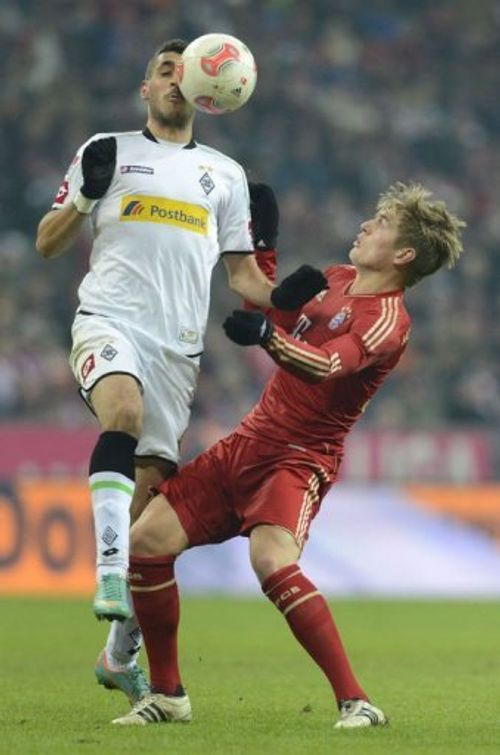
x=133 y=208
x=145 y=169
x=340 y=318
x=147 y=209
x=62 y=193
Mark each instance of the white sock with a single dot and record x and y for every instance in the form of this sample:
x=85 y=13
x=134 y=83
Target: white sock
x=111 y=494
x=123 y=643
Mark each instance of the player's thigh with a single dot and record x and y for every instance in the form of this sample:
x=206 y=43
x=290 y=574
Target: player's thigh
x=117 y=402
x=158 y=531
x=150 y=472
x=169 y=386
x=108 y=367
x=287 y=497
x=200 y=494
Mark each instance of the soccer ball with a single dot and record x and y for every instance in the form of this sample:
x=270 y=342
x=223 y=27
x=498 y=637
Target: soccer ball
x=217 y=73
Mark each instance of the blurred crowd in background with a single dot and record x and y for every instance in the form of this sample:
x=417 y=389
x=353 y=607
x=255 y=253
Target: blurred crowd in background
x=351 y=97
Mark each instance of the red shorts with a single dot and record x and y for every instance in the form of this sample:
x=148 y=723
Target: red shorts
x=239 y=483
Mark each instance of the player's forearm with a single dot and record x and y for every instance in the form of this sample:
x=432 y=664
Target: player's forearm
x=58 y=230
x=313 y=364
x=253 y=286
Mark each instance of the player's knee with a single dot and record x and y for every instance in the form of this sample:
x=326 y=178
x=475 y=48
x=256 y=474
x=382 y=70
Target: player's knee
x=125 y=417
x=143 y=539
x=152 y=535
x=267 y=563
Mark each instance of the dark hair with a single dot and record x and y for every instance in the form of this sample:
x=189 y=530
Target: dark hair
x=171 y=45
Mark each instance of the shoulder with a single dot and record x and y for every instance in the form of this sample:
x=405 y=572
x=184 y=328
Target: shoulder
x=221 y=159
x=340 y=273
x=122 y=136
x=386 y=323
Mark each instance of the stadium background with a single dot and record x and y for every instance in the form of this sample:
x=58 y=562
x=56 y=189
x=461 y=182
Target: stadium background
x=351 y=97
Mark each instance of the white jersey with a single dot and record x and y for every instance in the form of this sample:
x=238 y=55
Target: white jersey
x=171 y=210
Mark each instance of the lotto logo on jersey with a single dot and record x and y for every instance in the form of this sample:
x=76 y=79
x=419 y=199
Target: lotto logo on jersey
x=146 y=209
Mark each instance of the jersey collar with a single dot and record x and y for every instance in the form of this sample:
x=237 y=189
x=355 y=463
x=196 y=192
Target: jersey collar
x=152 y=138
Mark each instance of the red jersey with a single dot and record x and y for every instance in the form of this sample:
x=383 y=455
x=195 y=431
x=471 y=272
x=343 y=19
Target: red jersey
x=333 y=355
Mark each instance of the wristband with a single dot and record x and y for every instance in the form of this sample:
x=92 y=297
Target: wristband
x=83 y=204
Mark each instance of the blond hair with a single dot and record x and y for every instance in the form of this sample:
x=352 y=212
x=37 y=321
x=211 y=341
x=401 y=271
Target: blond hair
x=427 y=227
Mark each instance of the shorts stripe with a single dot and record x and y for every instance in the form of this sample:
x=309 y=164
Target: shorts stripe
x=311 y=497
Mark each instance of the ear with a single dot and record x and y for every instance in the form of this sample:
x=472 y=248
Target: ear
x=404 y=256
x=144 y=90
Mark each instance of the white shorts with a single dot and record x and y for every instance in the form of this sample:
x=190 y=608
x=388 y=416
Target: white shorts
x=103 y=346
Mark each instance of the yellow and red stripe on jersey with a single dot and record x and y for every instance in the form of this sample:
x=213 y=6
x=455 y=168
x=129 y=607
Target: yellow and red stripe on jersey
x=290 y=353
x=383 y=327
x=142 y=208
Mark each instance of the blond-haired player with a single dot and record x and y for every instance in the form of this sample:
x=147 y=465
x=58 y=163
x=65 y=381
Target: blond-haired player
x=268 y=478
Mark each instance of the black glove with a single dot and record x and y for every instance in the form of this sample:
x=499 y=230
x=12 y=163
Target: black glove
x=98 y=167
x=248 y=328
x=298 y=288
x=265 y=216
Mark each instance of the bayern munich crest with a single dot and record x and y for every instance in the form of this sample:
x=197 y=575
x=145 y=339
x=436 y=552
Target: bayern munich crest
x=340 y=318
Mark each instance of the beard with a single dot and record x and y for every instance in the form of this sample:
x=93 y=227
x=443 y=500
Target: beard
x=178 y=119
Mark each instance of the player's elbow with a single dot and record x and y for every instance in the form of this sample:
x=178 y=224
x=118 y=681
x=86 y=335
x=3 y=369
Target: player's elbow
x=47 y=244
x=42 y=246
x=46 y=249
x=238 y=284
x=309 y=377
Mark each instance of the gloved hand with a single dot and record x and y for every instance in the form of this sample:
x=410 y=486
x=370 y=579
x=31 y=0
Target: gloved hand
x=265 y=216
x=98 y=167
x=248 y=328
x=298 y=288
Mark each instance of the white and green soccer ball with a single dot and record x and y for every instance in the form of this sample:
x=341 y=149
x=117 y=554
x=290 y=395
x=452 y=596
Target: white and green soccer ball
x=217 y=73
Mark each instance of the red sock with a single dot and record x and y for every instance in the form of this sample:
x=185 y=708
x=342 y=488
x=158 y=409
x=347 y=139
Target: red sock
x=309 y=618
x=156 y=603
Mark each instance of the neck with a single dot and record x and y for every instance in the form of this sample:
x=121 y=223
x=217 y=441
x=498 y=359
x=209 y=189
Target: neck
x=169 y=133
x=371 y=282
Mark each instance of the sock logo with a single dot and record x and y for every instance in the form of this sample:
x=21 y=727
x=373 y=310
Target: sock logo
x=109 y=535
x=286 y=594
x=110 y=552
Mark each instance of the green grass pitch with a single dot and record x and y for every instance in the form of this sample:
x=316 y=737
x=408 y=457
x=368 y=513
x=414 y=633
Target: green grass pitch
x=433 y=666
